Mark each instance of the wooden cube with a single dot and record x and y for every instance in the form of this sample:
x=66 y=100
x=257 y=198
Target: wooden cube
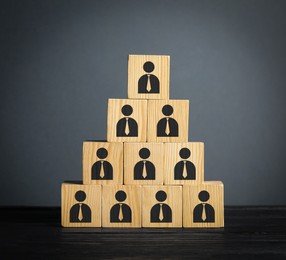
x=183 y=163
x=148 y=76
x=203 y=205
x=102 y=163
x=162 y=206
x=127 y=120
x=121 y=206
x=168 y=120
x=143 y=163
x=80 y=205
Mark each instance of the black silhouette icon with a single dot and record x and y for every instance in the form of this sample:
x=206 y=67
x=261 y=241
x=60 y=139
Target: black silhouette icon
x=148 y=83
x=127 y=126
x=102 y=170
x=167 y=126
x=204 y=212
x=144 y=169
x=184 y=169
x=80 y=212
x=120 y=212
x=161 y=212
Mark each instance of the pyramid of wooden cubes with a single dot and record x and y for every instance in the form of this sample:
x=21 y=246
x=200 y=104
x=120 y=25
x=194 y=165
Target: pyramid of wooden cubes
x=147 y=173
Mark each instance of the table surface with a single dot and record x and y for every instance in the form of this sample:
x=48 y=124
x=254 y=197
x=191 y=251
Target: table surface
x=249 y=233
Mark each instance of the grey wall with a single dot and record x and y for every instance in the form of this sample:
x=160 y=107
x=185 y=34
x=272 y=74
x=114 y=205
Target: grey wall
x=62 y=60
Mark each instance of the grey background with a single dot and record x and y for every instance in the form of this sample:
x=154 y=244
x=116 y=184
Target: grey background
x=62 y=60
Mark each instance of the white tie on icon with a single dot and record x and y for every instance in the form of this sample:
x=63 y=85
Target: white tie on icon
x=80 y=215
x=167 y=130
x=148 y=88
x=101 y=172
x=127 y=129
x=185 y=173
x=204 y=214
x=120 y=215
x=161 y=215
x=144 y=172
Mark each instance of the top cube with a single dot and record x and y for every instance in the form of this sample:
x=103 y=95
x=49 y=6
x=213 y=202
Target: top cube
x=148 y=76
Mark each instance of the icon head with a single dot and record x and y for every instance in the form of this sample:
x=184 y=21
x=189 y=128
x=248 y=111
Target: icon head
x=161 y=195
x=167 y=110
x=127 y=110
x=144 y=153
x=204 y=196
x=148 y=66
x=80 y=196
x=120 y=196
x=101 y=153
x=185 y=153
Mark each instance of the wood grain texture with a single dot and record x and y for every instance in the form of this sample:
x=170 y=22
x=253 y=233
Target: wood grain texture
x=139 y=114
x=114 y=157
x=180 y=114
x=173 y=200
x=191 y=200
x=133 y=200
x=132 y=157
x=172 y=158
x=250 y=232
x=161 y=71
x=92 y=200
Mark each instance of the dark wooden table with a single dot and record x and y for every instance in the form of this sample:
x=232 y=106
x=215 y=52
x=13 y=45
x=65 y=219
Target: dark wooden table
x=249 y=233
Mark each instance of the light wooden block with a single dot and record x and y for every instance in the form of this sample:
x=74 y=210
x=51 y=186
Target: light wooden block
x=167 y=198
x=143 y=163
x=203 y=205
x=102 y=163
x=119 y=112
x=168 y=120
x=148 y=76
x=121 y=206
x=80 y=205
x=183 y=163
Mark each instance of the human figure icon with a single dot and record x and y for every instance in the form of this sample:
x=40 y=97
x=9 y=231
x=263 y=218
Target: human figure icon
x=161 y=212
x=167 y=126
x=144 y=169
x=80 y=212
x=148 y=83
x=185 y=169
x=120 y=212
x=102 y=169
x=127 y=126
x=204 y=212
